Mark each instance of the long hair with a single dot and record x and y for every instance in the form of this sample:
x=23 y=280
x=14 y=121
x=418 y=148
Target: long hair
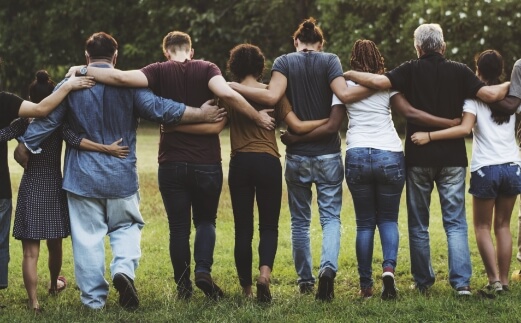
x=41 y=87
x=309 y=33
x=365 y=57
x=489 y=65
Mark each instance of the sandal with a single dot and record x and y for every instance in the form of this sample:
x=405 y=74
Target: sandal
x=59 y=289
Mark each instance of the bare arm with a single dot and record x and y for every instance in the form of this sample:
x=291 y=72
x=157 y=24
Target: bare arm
x=113 y=149
x=300 y=127
x=349 y=94
x=332 y=126
x=493 y=93
x=39 y=110
x=233 y=99
x=462 y=130
x=508 y=105
x=112 y=76
x=373 y=81
x=400 y=104
x=197 y=128
x=269 y=96
x=208 y=112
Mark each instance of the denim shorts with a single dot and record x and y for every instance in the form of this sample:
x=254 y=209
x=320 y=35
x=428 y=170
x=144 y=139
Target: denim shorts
x=490 y=181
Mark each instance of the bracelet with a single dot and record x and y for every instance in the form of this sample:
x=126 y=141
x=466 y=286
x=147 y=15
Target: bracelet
x=428 y=133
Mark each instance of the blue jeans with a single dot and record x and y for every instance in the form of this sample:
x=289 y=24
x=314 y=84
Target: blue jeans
x=489 y=182
x=91 y=220
x=375 y=179
x=327 y=173
x=450 y=182
x=190 y=190
x=6 y=208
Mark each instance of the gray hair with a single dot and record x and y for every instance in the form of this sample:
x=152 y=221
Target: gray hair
x=429 y=38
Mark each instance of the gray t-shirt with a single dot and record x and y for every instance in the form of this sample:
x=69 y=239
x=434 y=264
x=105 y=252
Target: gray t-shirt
x=515 y=80
x=309 y=76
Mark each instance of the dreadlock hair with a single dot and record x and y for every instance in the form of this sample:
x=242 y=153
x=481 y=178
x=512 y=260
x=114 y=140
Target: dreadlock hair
x=309 y=33
x=365 y=57
x=489 y=65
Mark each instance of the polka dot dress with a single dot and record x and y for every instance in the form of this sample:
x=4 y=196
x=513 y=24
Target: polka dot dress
x=42 y=211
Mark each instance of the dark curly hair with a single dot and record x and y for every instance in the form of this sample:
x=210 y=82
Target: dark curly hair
x=309 y=33
x=41 y=87
x=245 y=59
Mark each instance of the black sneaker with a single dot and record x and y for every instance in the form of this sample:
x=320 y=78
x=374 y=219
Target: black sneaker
x=128 y=298
x=326 y=285
x=389 y=288
x=464 y=291
x=205 y=283
x=306 y=287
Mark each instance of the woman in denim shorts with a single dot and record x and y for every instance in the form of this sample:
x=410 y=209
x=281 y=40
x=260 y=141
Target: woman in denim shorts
x=495 y=178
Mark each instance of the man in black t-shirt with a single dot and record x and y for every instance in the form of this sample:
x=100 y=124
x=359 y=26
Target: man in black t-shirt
x=438 y=86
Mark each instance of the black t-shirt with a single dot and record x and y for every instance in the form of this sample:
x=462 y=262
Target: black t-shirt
x=9 y=107
x=437 y=86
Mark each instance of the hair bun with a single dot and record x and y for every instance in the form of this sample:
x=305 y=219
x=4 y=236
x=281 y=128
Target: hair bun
x=309 y=24
x=42 y=76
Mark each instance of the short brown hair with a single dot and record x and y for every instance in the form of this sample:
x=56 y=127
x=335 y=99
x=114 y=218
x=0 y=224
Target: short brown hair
x=101 y=45
x=176 y=39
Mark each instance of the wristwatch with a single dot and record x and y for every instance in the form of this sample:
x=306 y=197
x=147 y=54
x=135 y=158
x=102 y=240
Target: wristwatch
x=83 y=71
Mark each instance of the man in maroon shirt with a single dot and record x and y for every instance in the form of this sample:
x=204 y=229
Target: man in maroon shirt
x=190 y=172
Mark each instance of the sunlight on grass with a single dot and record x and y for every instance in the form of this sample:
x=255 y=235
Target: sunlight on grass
x=157 y=289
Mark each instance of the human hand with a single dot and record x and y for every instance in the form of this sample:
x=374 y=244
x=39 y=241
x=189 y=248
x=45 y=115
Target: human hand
x=116 y=150
x=420 y=138
x=21 y=155
x=212 y=112
x=264 y=120
x=288 y=138
x=455 y=122
x=73 y=70
x=80 y=82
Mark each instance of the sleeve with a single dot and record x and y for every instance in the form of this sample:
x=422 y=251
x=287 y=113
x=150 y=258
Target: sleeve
x=281 y=65
x=470 y=106
x=157 y=109
x=10 y=105
x=70 y=136
x=282 y=108
x=151 y=72
x=213 y=70
x=471 y=82
x=400 y=77
x=40 y=129
x=515 y=81
x=14 y=130
x=334 y=68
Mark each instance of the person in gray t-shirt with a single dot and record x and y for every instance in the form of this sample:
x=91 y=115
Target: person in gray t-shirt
x=309 y=77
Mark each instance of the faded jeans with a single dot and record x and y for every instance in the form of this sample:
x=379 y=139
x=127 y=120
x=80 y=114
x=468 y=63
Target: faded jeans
x=450 y=182
x=375 y=179
x=327 y=173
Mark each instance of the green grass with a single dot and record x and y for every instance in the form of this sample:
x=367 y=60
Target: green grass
x=157 y=289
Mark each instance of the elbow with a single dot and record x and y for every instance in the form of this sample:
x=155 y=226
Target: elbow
x=298 y=130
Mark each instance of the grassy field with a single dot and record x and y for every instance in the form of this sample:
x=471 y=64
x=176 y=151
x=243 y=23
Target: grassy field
x=157 y=289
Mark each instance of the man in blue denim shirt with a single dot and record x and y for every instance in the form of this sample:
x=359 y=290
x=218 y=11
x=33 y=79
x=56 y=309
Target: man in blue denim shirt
x=102 y=191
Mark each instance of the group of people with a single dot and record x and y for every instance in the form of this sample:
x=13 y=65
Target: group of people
x=308 y=91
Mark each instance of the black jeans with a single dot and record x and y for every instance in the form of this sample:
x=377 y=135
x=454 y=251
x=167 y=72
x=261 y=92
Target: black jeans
x=255 y=175
x=186 y=189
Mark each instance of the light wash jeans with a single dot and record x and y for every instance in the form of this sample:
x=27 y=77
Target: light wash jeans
x=327 y=173
x=6 y=208
x=450 y=182
x=91 y=220
x=375 y=179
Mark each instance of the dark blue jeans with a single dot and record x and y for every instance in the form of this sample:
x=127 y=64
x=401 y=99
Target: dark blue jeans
x=376 y=179
x=190 y=191
x=255 y=176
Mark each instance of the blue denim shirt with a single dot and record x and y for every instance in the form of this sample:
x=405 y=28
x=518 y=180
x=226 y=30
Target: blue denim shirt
x=103 y=114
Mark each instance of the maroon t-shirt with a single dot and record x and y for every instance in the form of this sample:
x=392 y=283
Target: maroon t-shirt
x=185 y=82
